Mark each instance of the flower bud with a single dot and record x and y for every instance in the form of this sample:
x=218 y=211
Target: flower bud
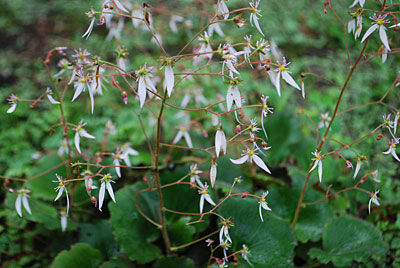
x=10 y=190
x=379 y=137
x=238 y=129
x=264 y=145
x=124 y=96
x=205 y=134
x=325 y=11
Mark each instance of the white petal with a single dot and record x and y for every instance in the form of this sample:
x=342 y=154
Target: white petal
x=12 y=108
x=209 y=200
x=66 y=194
x=384 y=55
x=369 y=32
x=201 y=203
x=260 y=163
x=213 y=174
x=102 y=192
x=260 y=211
x=221 y=240
x=223 y=9
x=354 y=3
x=255 y=21
x=314 y=166
x=110 y=191
x=18 y=206
x=265 y=206
x=273 y=77
x=303 y=92
x=395 y=155
x=278 y=83
x=142 y=91
x=395 y=122
x=78 y=91
x=236 y=97
x=117 y=169
x=177 y=137
x=289 y=79
x=64 y=223
x=362 y=2
x=240 y=160
x=369 y=206
x=149 y=84
x=26 y=204
x=52 y=100
x=120 y=6
x=357 y=169
x=320 y=171
x=383 y=36
x=84 y=134
x=76 y=140
x=188 y=139
x=169 y=77
x=229 y=98
x=89 y=29
x=218 y=142
x=127 y=160
x=60 y=192
x=91 y=99
x=375 y=201
x=351 y=26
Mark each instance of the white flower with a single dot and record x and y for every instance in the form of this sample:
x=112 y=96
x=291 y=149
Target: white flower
x=169 y=79
x=392 y=149
x=110 y=128
x=225 y=232
x=283 y=71
x=375 y=175
x=120 y=6
x=90 y=14
x=127 y=150
x=233 y=95
x=254 y=13
x=144 y=81
x=80 y=132
x=358 y=167
x=263 y=204
x=250 y=156
x=87 y=175
x=373 y=199
x=106 y=183
x=247 y=48
x=265 y=110
x=325 y=119
x=194 y=174
x=378 y=23
x=117 y=156
x=12 y=100
x=80 y=86
x=317 y=162
x=225 y=245
x=205 y=47
x=183 y=133
x=173 y=20
x=361 y=2
x=246 y=254
x=22 y=199
x=220 y=142
x=61 y=188
x=64 y=222
x=51 y=99
x=213 y=173
x=223 y=9
x=215 y=27
x=82 y=57
x=63 y=148
x=204 y=195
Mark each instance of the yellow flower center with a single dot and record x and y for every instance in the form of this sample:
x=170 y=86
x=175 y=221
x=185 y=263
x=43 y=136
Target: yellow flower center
x=182 y=128
x=60 y=184
x=204 y=191
x=282 y=68
x=79 y=128
x=250 y=153
x=118 y=156
x=393 y=145
x=263 y=200
x=83 y=80
x=379 y=22
x=318 y=157
x=266 y=107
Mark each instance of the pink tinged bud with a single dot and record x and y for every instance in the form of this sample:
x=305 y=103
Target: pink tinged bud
x=124 y=96
x=238 y=129
x=325 y=11
x=205 y=134
x=10 y=190
x=349 y=164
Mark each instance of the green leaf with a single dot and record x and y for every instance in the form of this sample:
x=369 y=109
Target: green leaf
x=271 y=243
x=99 y=235
x=117 y=262
x=348 y=239
x=173 y=261
x=180 y=232
x=132 y=232
x=81 y=255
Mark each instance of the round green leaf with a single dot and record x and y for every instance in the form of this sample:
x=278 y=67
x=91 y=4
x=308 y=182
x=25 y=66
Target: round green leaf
x=81 y=255
x=173 y=261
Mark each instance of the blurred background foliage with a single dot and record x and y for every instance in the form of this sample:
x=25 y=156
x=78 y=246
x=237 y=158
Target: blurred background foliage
x=119 y=236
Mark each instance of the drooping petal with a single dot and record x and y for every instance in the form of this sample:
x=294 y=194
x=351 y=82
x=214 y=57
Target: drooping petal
x=351 y=26
x=320 y=171
x=188 y=139
x=303 y=92
x=395 y=122
x=64 y=222
x=278 y=83
x=354 y=3
x=26 y=204
x=369 y=206
x=102 y=192
x=229 y=98
x=120 y=6
x=91 y=99
x=170 y=79
x=314 y=166
x=265 y=206
x=236 y=97
x=260 y=163
x=209 y=200
x=78 y=91
x=369 y=32
x=77 y=140
x=12 y=108
x=240 y=160
x=117 y=168
x=223 y=9
x=383 y=36
x=395 y=155
x=142 y=91
x=213 y=174
x=289 y=79
x=260 y=212
x=255 y=21
x=358 y=166
x=52 y=100
x=384 y=55
x=66 y=194
x=89 y=29
x=388 y=151
x=84 y=134
x=178 y=137
x=60 y=192
x=18 y=205
x=218 y=142
x=110 y=191
x=201 y=203
x=149 y=84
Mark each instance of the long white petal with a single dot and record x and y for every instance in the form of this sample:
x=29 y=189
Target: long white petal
x=102 y=192
x=289 y=79
x=142 y=91
x=209 y=200
x=149 y=84
x=357 y=169
x=218 y=142
x=278 y=83
x=178 y=137
x=120 y=6
x=76 y=140
x=78 y=91
x=255 y=21
x=320 y=171
x=383 y=36
x=170 y=79
x=223 y=9
x=127 y=160
x=229 y=98
x=84 y=134
x=213 y=174
x=236 y=97
x=362 y=2
x=89 y=29
x=12 y=108
x=395 y=155
x=265 y=206
x=117 y=168
x=369 y=206
x=66 y=194
x=91 y=99
x=369 y=32
x=395 y=122
x=60 y=192
x=201 y=203
x=223 y=142
x=52 y=100
x=314 y=166
x=351 y=26
x=221 y=241
x=260 y=211
x=188 y=139
x=64 y=222
x=110 y=191
x=18 y=206
x=260 y=163
x=240 y=160
x=354 y=3
x=26 y=204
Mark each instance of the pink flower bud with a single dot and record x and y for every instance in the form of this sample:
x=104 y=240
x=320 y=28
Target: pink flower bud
x=10 y=190
x=124 y=96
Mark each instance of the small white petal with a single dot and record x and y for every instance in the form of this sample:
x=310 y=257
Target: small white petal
x=84 y=134
x=26 y=204
x=102 y=192
x=357 y=169
x=60 y=192
x=78 y=91
x=66 y=194
x=369 y=32
x=149 y=84
x=209 y=200
x=255 y=21
x=395 y=155
x=240 y=160
x=314 y=166
x=236 y=97
x=261 y=163
x=178 y=137
x=89 y=29
x=64 y=222
x=260 y=212
x=18 y=205
x=110 y=191
x=91 y=99
x=265 y=206
x=52 y=100
x=229 y=98
x=117 y=168
x=278 y=83
x=12 y=108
